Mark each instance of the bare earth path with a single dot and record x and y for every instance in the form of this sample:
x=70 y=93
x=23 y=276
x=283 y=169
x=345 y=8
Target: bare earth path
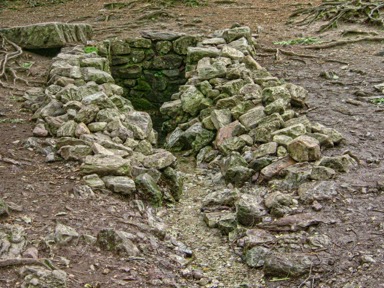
x=41 y=192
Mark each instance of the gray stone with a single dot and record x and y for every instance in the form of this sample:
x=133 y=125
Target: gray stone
x=81 y=129
x=233 y=87
x=48 y=35
x=140 y=123
x=338 y=163
x=232 y=53
x=106 y=165
x=251 y=119
x=40 y=130
x=117 y=241
x=287 y=264
x=225 y=197
x=53 y=108
x=94 y=181
x=107 y=115
x=207 y=70
x=272 y=94
x=238 y=175
x=147 y=186
x=99 y=99
x=171 y=108
x=298 y=95
x=255 y=257
x=236 y=33
x=256 y=237
x=77 y=152
x=249 y=210
x=64 y=234
x=278 y=203
x=120 y=184
x=159 y=160
x=83 y=191
x=292 y=131
x=319 y=191
x=87 y=114
x=277 y=106
x=68 y=129
x=304 y=149
x=322 y=173
x=37 y=276
x=181 y=45
x=221 y=118
x=264 y=150
x=191 y=100
x=96 y=75
x=231 y=144
x=194 y=54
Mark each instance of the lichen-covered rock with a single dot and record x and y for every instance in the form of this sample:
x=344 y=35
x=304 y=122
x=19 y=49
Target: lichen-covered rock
x=106 y=165
x=249 y=210
x=225 y=197
x=76 y=152
x=148 y=187
x=339 y=163
x=279 y=203
x=319 y=191
x=159 y=160
x=255 y=257
x=191 y=100
x=252 y=117
x=94 y=181
x=304 y=148
x=36 y=276
x=279 y=264
x=48 y=35
x=117 y=241
x=120 y=184
x=3 y=208
x=64 y=234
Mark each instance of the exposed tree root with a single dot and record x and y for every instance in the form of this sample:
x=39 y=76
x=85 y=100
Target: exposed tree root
x=344 y=42
x=9 y=51
x=279 y=51
x=355 y=11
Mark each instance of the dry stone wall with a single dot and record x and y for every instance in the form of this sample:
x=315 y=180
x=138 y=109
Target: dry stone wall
x=151 y=68
x=92 y=123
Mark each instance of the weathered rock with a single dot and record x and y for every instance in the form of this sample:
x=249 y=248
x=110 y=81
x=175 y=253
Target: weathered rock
x=65 y=234
x=96 y=75
x=238 y=175
x=255 y=257
x=140 y=123
x=159 y=160
x=231 y=130
x=117 y=241
x=37 y=276
x=221 y=118
x=48 y=35
x=147 y=186
x=322 y=173
x=286 y=264
x=252 y=117
x=274 y=168
x=339 y=163
x=68 y=129
x=94 y=181
x=77 y=152
x=120 y=184
x=232 y=53
x=292 y=131
x=279 y=203
x=106 y=165
x=87 y=114
x=264 y=150
x=304 y=148
x=194 y=54
x=293 y=223
x=225 y=197
x=227 y=223
x=256 y=237
x=231 y=144
x=236 y=33
x=249 y=211
x=83 y=191
x=100 y=99
x=191 y=100
x=319 y=191
x=40 y=130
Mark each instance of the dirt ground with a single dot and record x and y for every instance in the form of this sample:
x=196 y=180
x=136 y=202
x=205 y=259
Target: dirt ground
x=42 y=191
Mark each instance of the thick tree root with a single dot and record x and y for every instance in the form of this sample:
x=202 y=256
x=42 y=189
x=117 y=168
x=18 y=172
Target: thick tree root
x=9 y=51
x=344 y=42
x=352 y=11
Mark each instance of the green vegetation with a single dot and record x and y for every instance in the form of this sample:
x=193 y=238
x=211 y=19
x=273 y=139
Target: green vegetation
x=90 y=49
x=190 y=3
x=379 y=101
x=299 y=41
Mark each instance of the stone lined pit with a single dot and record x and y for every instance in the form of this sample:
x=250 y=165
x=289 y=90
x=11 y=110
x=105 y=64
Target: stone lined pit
x=228 y=112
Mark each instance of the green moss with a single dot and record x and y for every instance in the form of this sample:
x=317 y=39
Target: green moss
x=142 y=104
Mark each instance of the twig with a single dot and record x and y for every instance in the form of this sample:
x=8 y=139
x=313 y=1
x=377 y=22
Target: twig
x=306 y=279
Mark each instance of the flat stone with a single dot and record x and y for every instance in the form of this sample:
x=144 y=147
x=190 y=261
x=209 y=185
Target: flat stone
x=287 y=264
x=65 y=234
x=251 y=119
x=159 y=160
x=255 y=257
x=225 y=197
x=249 y=210
x=120 y=184
x=317 y=191
x=48 y=35
x=117 y=241
x=149 y=189
x=106 y=165
x=274 y=168
x=94 y=181
x=161 y=35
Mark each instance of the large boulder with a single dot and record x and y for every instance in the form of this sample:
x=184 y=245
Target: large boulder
x=48 y=35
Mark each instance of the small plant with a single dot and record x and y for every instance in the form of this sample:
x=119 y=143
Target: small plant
x=27 y=65
x=298 y=41
x=379 y=101
x=90 y=49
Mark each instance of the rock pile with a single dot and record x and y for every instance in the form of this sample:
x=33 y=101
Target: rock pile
x=94 y=124
x=233 y=113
